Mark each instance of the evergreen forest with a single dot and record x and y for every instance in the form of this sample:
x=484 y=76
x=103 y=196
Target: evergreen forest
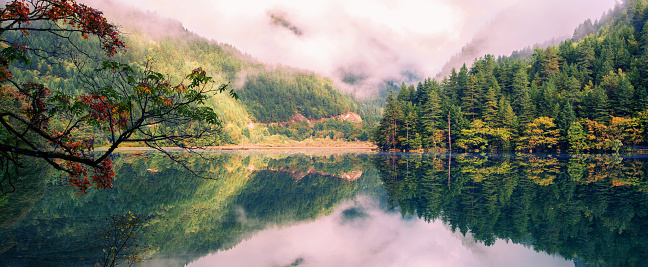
x=587 y=94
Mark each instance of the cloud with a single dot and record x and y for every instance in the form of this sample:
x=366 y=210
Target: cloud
x=372 y=238
x=379 y=39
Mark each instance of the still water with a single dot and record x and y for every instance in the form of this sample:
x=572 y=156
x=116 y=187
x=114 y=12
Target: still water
x=336 y=209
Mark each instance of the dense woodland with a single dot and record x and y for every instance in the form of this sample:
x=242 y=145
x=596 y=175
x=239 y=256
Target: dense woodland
x=277 y=96
x=588 y=95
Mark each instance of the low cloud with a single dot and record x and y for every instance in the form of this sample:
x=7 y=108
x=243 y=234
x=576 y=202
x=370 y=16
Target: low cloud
x=375 y=40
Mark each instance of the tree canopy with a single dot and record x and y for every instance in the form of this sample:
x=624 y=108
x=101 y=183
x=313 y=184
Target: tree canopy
x=121 y=103
x=594 y=84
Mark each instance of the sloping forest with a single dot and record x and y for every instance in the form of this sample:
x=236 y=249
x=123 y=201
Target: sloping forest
x=267 y=94
x=587 y=95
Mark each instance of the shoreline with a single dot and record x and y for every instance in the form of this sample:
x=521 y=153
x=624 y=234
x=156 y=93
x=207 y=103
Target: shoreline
x=250 y=148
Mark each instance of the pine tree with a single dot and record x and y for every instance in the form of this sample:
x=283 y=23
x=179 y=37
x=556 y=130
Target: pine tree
x=471 y=101
x=586 y=58
x=641 y=99
x=489 y=113
x=386 y=133
x=506 y=118
x=617 y=85
x=462 y=82
x=549 y=98
x=423 y=90
x=639 y=15
x=565 y=117
x=431 y=119
x=623 y=102
x=457 y=120
x=408 y=129
x=527 y=108
x=549 y=64
x=599 y=105
x=519 y=84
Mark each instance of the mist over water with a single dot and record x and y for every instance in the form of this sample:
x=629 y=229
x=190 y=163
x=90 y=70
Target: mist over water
x=371 y=40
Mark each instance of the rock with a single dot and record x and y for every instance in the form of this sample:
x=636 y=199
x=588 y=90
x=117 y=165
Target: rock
x=350 y=116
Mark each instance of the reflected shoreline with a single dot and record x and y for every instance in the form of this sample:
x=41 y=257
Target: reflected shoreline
x=589 y=208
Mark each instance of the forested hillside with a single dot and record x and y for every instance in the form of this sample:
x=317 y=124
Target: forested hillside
x=266 y=94
x=276 y=96
x=588 y=95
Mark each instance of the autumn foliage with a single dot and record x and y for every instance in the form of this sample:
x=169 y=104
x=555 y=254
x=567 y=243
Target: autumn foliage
x=121 y=103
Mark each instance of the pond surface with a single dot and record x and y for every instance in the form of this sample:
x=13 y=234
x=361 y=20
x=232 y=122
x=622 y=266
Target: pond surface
x=327 y=209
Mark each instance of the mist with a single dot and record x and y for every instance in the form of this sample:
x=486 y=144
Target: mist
x=373 y=40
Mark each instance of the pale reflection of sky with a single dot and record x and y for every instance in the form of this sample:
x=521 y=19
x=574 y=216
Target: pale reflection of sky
x=377 y=239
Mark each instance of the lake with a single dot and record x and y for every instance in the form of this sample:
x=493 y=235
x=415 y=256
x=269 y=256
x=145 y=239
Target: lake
x=275 y=208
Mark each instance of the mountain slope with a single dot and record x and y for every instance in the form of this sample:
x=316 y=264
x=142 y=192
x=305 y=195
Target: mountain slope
x=267 y=93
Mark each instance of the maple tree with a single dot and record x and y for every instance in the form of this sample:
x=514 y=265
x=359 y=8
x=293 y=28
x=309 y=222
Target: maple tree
x=123 y=103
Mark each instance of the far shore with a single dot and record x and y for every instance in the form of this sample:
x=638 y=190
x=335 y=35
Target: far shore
x=252 y=148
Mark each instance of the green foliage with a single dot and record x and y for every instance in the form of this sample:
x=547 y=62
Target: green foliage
x=576 y=137
x=599 y=75
x=586 y=208
x=278 y=95
x=265 y=95
x=174 y=213
x=541 y=134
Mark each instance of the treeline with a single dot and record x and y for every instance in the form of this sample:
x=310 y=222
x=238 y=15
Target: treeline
x=334 y=129
x=275 y=96
x=589 y=95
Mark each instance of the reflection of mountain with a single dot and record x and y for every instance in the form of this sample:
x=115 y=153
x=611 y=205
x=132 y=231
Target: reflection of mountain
x=349 y=176
x=190 y=217
x=590 y=208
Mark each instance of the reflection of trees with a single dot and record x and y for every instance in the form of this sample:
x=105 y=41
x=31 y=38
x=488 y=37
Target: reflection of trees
x=188 y=217
x=120 y=240
x=587 y=207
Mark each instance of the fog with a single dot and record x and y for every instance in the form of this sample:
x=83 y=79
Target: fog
x=373 y=40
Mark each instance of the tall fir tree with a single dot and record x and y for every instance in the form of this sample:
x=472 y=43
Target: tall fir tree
x=506 y=118
x=431 y=120
x=489 y=112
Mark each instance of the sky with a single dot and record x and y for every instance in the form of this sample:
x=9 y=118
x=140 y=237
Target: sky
x=376 y=40
x=377 y=238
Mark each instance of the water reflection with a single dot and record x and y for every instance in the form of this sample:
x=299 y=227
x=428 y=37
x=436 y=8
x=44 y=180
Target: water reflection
x=590 y=208
x=359 y=233
x=344 y=209
x=189 y=217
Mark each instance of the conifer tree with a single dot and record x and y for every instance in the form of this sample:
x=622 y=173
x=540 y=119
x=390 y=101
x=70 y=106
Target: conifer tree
x=527 y=108
x=599 y=105
x=386 y=133
x=431 y=120
x=506 y=118
x=471 y=101
x=489 y=113
x=549 y=64
x=565 y=117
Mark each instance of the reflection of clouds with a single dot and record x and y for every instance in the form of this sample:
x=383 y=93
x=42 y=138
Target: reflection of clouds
x=385 y=239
